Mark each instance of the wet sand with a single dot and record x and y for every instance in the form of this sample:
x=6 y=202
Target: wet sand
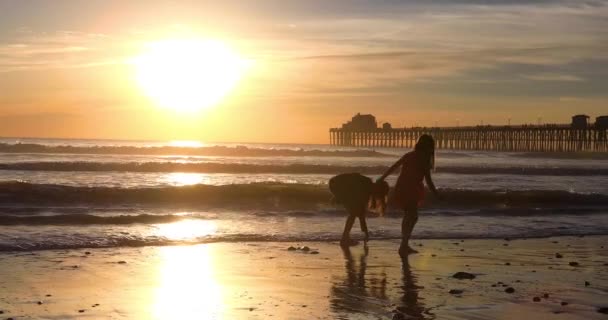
x=268 y=281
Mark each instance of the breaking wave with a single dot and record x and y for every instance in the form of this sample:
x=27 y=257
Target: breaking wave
x=238 y=151
x=216 y=167
x=261 y=195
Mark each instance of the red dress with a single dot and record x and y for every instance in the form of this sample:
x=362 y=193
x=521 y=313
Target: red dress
x=409 y=190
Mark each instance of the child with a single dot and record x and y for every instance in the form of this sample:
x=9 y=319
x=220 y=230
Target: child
x=409 y=190
x=356 y=192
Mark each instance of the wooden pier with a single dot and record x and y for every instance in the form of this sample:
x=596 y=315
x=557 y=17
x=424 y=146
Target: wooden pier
x=542 y=138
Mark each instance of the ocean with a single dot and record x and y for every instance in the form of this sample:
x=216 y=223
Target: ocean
x=63 y=194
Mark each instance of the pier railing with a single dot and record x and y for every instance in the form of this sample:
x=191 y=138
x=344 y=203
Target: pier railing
x=546 y=138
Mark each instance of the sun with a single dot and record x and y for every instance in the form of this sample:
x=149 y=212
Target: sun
x=188 y=74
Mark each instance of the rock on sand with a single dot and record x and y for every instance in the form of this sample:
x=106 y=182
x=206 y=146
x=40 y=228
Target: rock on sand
x=463 y=275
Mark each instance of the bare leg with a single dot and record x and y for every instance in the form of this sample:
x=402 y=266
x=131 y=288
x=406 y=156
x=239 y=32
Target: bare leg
x=407 y=226
x=363 y=224
x=347 y=227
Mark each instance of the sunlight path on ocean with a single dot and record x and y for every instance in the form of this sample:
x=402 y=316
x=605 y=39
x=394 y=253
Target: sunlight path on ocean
x=186 y=229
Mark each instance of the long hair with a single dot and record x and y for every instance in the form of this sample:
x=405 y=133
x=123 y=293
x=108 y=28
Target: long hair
x=379 y=197
x=426 y=146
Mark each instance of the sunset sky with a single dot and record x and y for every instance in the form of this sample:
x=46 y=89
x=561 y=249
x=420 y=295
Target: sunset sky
x=69 y=69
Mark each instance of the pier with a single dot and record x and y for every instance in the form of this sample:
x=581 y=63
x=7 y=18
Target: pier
x=579 y=136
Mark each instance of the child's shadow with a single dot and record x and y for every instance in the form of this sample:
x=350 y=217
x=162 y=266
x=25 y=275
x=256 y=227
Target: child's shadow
x=366 y=289
x=357 y=292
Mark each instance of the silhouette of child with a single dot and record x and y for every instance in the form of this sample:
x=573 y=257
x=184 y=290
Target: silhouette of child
x=356 y=193
x=409 y=190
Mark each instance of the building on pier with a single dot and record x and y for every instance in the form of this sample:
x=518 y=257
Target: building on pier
x=580 y=121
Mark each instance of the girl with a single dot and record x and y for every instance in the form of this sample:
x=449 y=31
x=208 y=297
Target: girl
x=356 y=192
x=409 y=190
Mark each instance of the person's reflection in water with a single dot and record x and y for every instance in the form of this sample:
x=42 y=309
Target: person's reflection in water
x=357 y=292
x=411 y=307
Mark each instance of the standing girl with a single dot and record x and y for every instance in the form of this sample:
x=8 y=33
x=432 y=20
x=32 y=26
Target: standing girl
x=409 y=190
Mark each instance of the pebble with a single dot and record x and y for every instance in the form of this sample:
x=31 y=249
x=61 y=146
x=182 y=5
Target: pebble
x=493 y=286
x=463 y=275
x=87 y=252
x=505 y=244
x=1 y=312
x=433 y=255
x=546 y=295
x=49 y=295
x=39 y=302
x=291 y=249
x=10 y=318
x=455 y=291
x=507 y=263
x=314 y=252
x=573 y=263
x=603 y=310
x=557 y=255
x=587 y=283
x=509 y=290
x=306 y=249
x=536 y=299
x=121 y=262
x=564 y=303
x=81 y=311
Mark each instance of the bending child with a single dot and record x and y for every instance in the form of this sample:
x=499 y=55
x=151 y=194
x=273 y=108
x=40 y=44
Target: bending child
x=356 y=193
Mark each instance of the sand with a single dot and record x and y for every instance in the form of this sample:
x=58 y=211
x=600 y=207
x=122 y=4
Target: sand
x=267 y=281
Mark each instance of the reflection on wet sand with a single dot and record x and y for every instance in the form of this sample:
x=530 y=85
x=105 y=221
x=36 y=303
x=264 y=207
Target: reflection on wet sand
x=411 y=304
x=188 y=288
x=365 y=290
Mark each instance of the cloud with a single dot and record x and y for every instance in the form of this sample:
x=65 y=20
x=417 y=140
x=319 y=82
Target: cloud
x=552 y=77
x=62 y=49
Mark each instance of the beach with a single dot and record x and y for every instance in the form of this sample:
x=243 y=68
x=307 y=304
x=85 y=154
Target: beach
x=263 y=280
x=99 y=229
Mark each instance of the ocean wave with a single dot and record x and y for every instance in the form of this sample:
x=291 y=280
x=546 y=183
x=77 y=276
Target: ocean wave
x=237 y=151
x=86 y=219
x=95 y=217
x=115 y=241
x=216 y=167
x=261 y=195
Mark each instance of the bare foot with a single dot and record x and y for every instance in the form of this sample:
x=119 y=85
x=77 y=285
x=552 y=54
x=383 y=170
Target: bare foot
x=348 y=243
x=405 y=250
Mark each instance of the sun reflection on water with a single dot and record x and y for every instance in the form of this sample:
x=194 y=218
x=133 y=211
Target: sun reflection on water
x=186 y=229
x=188 y=287
x=184 y=178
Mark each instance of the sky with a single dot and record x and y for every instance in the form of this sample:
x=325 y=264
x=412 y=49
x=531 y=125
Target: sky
x=66 y=67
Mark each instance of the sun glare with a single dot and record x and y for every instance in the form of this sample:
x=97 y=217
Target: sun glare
x=188 y=75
